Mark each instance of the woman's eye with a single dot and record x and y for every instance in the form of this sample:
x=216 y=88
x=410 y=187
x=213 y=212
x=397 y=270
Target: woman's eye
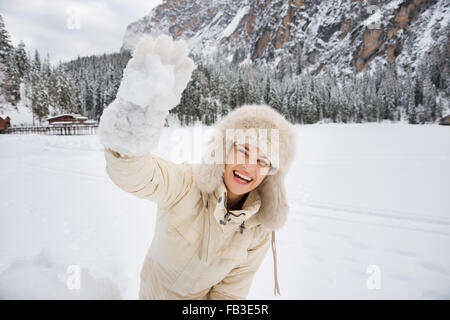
x=263 y=163
x=242 y=150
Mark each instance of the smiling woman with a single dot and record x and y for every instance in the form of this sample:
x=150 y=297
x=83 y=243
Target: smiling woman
x=215 y=222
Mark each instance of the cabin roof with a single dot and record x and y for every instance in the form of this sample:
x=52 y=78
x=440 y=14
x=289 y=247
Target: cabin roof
x=74 y=115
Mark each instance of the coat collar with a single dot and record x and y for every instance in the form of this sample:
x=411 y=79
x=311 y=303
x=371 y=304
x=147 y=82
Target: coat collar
x=233 y=219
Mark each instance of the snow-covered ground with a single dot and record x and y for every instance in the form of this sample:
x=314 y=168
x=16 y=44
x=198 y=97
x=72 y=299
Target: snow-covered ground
x=361 y=195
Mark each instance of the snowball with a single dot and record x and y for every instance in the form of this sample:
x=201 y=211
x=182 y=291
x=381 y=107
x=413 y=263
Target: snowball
x=152 y=84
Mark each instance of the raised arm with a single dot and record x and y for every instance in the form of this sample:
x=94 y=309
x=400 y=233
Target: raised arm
x=152 y=84
x=149 y=177
x=130 y=126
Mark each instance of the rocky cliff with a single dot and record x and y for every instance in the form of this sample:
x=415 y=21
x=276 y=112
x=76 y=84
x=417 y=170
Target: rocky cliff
x=350 y=35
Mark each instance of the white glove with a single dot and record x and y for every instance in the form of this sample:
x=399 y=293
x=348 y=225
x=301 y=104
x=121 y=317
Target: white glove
x=152 y=84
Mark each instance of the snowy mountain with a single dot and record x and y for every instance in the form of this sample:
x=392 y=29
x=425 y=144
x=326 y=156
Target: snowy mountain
x=345 y=34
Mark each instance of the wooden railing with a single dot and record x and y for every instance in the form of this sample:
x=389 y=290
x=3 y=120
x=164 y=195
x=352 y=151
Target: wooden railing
x=60 y=130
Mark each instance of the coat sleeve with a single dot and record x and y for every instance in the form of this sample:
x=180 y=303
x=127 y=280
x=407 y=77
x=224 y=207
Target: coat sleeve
x=149 y=177
x=236 y=285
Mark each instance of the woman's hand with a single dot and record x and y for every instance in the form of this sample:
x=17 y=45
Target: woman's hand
x=157 y=74
x=152 y=84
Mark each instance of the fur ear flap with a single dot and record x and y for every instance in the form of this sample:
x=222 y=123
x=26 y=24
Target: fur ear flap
x=274 y=207
x=208 y=176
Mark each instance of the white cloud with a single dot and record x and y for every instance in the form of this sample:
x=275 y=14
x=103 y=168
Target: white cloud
x=43 y=25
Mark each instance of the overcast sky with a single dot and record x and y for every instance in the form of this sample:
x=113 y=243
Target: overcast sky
x=66 y=28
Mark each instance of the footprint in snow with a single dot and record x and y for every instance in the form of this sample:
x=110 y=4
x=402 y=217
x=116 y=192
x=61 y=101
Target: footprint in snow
x=358 y=244
x=434 y=267
x=402 y=252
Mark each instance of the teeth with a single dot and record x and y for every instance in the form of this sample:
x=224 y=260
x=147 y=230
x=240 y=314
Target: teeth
x=242 y=176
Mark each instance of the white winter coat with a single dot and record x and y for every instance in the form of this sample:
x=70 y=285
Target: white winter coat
x=176 y=265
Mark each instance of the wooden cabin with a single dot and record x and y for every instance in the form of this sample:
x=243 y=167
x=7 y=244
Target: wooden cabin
x=445 y=121
x=66 y=119
x=5 y=122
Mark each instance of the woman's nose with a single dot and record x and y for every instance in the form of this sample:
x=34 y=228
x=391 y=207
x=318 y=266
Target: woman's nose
x=250 y=168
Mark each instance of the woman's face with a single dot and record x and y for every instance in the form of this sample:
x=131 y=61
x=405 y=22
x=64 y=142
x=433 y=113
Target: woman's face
x=245 y=169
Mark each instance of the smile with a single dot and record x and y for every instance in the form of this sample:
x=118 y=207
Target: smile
x=241 y=177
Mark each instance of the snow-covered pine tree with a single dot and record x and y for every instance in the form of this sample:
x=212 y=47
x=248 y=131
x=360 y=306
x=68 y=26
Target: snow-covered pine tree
x=429 y=98
x=8 y=85
x=5 y=42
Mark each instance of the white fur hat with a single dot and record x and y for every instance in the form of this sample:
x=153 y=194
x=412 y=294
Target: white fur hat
x=274 y=208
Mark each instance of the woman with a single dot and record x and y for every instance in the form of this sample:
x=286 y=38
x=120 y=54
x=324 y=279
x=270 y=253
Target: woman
x=215 y=220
